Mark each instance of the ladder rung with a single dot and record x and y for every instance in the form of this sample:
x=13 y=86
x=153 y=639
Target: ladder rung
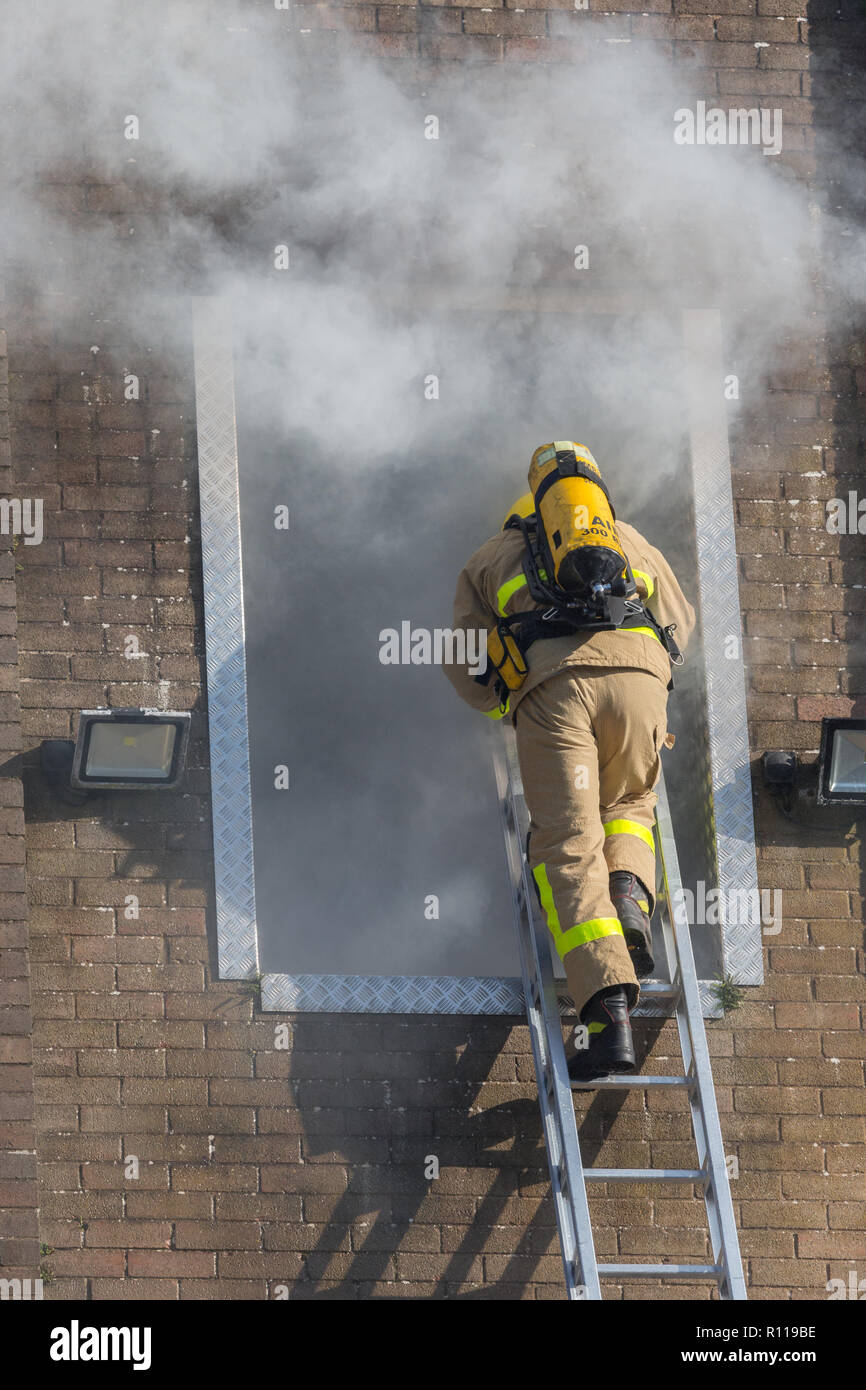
x=692 y=1175
x=661 y=1271
x=634 y=1083
x=658 y=989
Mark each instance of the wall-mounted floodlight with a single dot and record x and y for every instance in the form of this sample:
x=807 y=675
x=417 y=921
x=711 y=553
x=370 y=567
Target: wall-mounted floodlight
x=842 y=763
x=118 y=750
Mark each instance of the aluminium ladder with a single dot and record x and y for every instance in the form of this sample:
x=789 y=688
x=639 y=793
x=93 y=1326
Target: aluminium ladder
x=567 y=1174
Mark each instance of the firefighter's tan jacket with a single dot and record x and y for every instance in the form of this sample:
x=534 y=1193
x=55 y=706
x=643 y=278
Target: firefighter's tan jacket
x=493 y=585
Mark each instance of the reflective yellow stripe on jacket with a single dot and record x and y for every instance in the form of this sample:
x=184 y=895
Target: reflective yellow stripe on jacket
x=504 y=592
x=648 y=630
x=497 y=713
x=647 y=579
x=579 y=934
x=511 y=586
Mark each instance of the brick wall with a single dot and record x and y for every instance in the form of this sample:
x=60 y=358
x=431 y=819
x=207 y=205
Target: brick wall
x=19 y=1227
x=259 y=1167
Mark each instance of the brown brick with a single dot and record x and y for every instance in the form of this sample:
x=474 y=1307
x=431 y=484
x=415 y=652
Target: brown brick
x=817 y=1016
x=510 y=22
x=129 y=499
x=157 y=1289
x=785 y=56
x=788 y=1273
x=303 y=1178
x=120 y=1006
x=172 y=1091
x=280 y=1265
x=102 y=1263
x=234 y=1235
x=172 y=1263
x=119 y=1119
x=162 y=1033
x=826 y=1245
x=216 y=1177
x=134 y=1235
x=213 y=1119
x=171 y=1205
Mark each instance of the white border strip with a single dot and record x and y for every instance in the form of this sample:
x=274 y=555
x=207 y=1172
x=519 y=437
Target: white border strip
x=733 y=825
x=729 y=763
x=224 y=640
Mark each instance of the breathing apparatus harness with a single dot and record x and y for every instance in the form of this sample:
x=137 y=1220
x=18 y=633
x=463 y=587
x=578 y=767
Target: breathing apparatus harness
x=607 y=607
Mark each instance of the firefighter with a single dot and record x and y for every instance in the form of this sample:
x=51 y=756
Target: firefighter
x=580 y=611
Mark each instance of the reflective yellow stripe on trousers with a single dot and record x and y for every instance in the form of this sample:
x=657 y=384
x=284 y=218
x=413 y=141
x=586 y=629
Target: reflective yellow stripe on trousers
x=578 y=935
x=630 y=827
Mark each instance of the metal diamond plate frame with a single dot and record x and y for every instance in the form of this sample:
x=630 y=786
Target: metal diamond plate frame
x=733 y=825
x=393 y=994
x=383 y=994
x=730 y=819
x=224 y=636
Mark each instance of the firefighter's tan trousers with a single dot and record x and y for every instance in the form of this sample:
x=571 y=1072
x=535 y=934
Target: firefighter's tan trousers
x=589 y=740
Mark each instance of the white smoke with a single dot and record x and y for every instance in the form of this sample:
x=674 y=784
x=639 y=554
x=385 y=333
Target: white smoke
x=252 y=135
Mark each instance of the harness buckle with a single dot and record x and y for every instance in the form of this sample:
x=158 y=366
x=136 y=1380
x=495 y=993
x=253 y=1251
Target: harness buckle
x=676 y=656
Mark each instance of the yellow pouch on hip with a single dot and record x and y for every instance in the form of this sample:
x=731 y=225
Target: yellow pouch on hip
x=506 y=658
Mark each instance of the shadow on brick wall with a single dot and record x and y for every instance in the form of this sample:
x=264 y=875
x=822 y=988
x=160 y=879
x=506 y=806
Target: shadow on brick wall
x=484 y=1228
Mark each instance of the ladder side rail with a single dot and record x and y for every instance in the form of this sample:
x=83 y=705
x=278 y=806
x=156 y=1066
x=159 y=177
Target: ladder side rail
x=533 y=994
x=671 y=883
x=696 y=1061
x=586 y=1265
x=555 y=1098
x=705 y=1120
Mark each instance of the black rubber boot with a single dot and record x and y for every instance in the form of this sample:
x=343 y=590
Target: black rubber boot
x=631 y=903
x=611 y=1048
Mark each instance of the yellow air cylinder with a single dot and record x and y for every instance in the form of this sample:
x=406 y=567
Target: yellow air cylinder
x=576 y=515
